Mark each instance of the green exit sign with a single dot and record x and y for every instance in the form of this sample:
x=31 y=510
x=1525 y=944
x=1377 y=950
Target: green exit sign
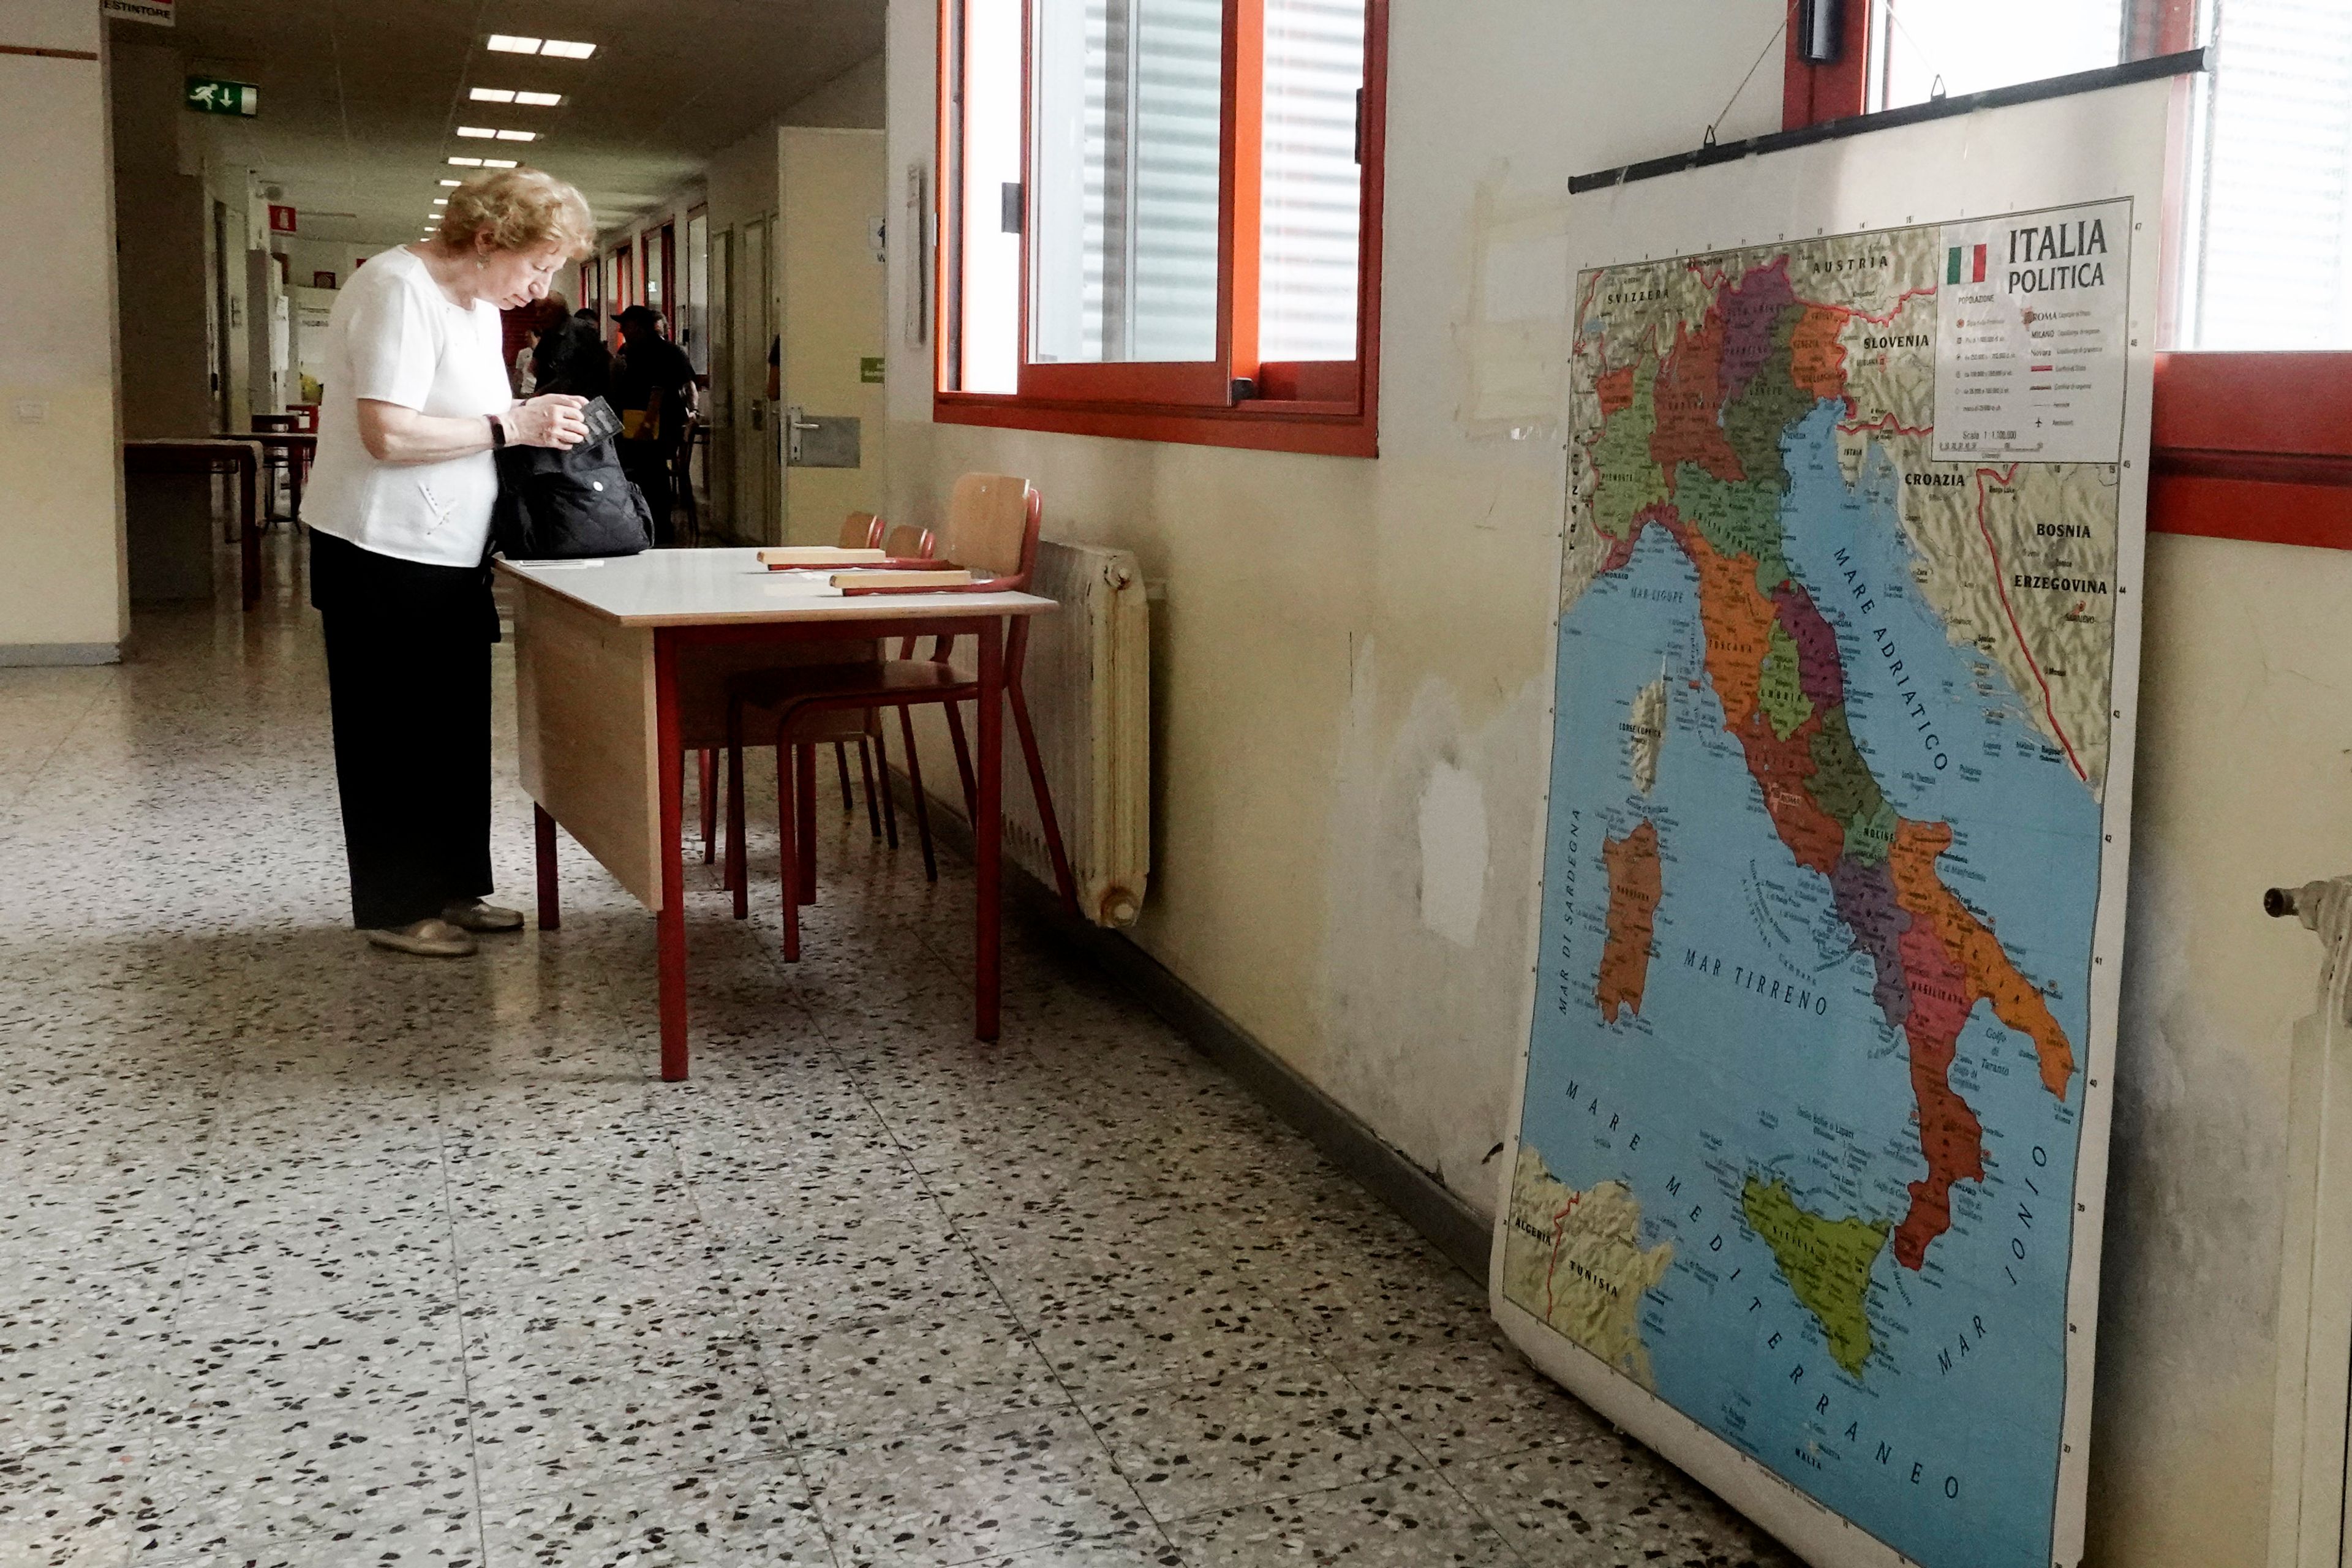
x=209 y=95
x=870 y=370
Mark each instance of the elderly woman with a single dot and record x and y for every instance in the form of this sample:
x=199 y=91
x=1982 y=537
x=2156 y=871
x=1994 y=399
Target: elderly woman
x=398 y=505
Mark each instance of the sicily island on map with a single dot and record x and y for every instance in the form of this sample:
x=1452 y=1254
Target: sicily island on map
x=1798 y=1151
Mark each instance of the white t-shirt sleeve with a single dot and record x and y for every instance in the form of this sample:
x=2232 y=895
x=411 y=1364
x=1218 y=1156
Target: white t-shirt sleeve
x=394 y=348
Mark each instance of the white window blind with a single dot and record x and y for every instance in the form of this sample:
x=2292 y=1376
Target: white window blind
x=1312 y=195
x=2270 y=266
x=1127 y=125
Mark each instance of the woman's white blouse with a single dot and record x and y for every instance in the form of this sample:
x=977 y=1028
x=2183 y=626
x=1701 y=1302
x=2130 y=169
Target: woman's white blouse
x=394 y=336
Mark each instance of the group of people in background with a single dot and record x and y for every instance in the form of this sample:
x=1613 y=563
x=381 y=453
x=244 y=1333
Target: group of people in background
x=650 y=384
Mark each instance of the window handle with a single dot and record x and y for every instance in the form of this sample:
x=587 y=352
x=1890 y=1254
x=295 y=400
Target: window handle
x=1013 y=206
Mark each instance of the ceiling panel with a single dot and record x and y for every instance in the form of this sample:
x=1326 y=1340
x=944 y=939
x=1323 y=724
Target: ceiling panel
x=360 y=99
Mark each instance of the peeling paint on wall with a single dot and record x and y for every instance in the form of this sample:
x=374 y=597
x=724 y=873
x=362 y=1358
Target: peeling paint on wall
x=1453 y=854
x=1425 y=953
x=2189 y=1308
x=1513 y=331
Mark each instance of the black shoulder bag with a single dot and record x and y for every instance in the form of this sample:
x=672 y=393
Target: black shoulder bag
x=569 y=505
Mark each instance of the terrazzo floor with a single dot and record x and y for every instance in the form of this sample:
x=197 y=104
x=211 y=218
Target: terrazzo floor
x=315 y=1255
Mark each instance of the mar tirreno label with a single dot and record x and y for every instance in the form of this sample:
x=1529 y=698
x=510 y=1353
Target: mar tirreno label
x=2032 y=336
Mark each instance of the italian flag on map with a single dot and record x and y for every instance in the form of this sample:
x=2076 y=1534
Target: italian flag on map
x=1962 y=266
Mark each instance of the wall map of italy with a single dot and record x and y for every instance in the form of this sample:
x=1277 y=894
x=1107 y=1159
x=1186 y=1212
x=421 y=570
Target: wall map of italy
x=1837 y=628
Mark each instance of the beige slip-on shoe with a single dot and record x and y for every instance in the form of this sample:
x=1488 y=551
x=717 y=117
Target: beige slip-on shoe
x=426 y=939
x=479 y=916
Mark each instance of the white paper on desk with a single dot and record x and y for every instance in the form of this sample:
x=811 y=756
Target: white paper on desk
x=559 y=565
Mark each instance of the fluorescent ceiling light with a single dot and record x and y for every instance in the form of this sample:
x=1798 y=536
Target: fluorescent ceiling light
x=492 y=95
x=452 y=182
x=498 y=163
x=440 y=201
x=518 y=135
x=563 y=50
x=539 y=100
x=467 y=163
x=509 y=44
x=480 y=132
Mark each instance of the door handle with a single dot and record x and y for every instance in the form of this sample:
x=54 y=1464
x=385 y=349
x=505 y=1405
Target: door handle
x=794 y=425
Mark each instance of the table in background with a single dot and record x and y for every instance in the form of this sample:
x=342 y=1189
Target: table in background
x=620 y=667
x=213 y=455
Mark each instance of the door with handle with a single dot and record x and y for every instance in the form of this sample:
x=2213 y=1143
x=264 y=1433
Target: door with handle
x=830 y=288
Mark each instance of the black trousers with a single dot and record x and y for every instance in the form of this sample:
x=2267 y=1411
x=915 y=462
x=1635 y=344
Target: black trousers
x=409 y=679
x=648 y=465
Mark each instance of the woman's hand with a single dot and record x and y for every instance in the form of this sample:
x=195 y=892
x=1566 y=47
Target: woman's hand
x=555 y=420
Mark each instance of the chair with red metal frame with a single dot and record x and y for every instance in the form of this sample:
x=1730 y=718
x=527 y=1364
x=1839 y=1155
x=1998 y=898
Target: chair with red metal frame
x=992 y=526
x=859 y=531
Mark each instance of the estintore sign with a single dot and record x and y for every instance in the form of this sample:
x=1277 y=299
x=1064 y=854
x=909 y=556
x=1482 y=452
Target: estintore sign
x=209 y=95
x=281 y=219
x=157 y=13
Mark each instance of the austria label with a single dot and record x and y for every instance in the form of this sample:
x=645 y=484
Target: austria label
x=2032 y=336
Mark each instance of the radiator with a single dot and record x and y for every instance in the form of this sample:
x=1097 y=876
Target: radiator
x=1089 y=688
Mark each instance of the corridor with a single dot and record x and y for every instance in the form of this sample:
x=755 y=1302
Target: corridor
x=312 y=1255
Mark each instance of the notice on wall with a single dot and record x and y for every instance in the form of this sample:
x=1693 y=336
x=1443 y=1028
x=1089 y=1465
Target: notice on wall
x=2034 y=347
x=1807 y=1177
x=157 y=13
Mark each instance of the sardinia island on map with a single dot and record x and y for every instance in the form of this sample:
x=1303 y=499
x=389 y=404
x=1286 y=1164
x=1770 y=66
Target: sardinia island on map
x=1798 y=1152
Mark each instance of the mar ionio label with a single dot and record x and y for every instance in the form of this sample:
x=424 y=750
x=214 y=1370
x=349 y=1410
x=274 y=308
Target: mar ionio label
x=2033 y=335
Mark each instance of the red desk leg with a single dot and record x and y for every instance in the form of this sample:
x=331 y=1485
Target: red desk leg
x=804 y=779
x=988 y=831
x=542 y=828
x=670 y=925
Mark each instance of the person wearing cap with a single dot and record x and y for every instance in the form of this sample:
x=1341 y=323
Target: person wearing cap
x=653 y=392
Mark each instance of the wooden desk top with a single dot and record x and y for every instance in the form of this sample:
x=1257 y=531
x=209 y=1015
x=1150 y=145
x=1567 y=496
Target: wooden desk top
x=728 y=587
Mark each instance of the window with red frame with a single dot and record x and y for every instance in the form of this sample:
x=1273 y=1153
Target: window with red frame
x=2254 y=409
x=1160 y=218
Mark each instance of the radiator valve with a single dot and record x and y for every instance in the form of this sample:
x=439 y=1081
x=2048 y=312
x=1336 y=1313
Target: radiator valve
x=2324 y=908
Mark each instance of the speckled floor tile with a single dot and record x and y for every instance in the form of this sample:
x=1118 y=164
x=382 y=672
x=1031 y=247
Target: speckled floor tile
x=1108 y=1343
x=239 y=1485
x=1411 y=1521
x=68 y=1507
x=1196 y=1448
x=558 y=1403
x=75 y=1384
x=958 y=1493
x=850 y=1267
x=1609 y=1503
x=312 y=1257
x=399 y=1367
x=756 y=1514
x=1472 y=1397
x=852 y=1381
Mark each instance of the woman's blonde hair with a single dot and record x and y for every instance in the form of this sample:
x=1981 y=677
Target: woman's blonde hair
x=518 y=209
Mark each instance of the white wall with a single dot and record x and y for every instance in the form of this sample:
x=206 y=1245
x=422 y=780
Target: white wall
x=63 y=588
x=161 y=224
x=1338 y=639
x=1338 y=633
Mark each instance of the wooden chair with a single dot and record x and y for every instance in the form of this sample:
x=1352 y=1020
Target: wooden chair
x=859 y=531
x=991 y=527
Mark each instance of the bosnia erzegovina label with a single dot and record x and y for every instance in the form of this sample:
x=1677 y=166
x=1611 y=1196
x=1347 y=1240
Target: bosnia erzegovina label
x=1803 y=1085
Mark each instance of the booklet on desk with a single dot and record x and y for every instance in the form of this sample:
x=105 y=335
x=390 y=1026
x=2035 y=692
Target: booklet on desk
x=790 y=556
x=930 y=579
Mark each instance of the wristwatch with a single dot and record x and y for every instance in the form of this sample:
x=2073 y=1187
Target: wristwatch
x=498 y=433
